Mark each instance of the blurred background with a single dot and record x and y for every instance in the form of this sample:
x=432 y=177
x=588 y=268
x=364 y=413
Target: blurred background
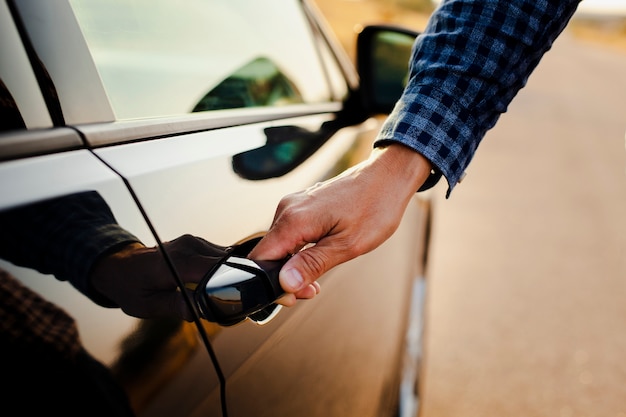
x=526 y=309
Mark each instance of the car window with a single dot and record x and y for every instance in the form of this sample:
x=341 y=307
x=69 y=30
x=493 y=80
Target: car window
x=156 y=58
x=21 y=102
x=257 y=83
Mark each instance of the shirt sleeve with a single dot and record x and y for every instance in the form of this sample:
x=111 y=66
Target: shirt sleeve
x=466 y=67
x=64 y=237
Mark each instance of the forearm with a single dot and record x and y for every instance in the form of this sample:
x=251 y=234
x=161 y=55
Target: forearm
x=63 y=237
x=467 y=66
x=402 y=167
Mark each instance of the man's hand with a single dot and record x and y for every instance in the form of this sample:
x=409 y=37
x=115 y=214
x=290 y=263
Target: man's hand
x=342 y=218
x=138 y=279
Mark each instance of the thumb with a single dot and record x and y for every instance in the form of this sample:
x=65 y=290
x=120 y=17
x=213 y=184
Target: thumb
x=306 y=266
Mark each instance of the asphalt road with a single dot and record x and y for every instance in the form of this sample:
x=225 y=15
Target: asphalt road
x=526 y=313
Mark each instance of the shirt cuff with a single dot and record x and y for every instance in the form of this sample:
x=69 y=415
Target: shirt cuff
x=434 y=124
x=108 y=239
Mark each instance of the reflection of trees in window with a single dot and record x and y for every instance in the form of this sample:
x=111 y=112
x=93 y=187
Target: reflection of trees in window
x=258 y=83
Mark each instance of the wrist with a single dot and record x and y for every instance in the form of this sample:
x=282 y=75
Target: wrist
x=107 y=270
x=406 y=165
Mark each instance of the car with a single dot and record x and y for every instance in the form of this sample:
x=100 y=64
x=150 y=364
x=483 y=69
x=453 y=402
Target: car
x=198 y=119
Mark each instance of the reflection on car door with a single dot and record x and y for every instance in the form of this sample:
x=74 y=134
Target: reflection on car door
x=149 y=358
x=312 y=355
x=187 y=184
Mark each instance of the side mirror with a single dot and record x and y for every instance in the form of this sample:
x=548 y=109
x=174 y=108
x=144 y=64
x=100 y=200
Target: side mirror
x=383 y=54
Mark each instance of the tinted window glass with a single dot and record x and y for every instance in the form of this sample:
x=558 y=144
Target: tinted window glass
x=10 y=117
x=158 y=58
x=21 y=102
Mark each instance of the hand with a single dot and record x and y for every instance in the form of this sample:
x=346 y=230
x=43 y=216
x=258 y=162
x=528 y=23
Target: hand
x=138 y=280
x=341 y=218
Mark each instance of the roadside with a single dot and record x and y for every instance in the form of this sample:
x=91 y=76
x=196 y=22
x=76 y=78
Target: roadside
x=605 y=32
x=346 y=16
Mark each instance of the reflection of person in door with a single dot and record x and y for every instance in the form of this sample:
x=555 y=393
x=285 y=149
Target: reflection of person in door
x=45 y=367
x=44 y=361
x=76 y=238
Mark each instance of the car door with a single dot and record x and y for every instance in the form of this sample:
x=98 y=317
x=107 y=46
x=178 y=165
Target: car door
x=203 y=117
x=155 y=361
x=329 y=357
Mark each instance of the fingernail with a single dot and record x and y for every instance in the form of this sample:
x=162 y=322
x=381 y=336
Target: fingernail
x=293 y=279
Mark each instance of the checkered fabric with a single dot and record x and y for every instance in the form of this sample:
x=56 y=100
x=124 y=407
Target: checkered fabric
x=63 y=236
x=27 y=319
x=466 y=67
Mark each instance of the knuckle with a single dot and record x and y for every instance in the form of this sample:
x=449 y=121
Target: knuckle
x=287 y=202
x=314 y=263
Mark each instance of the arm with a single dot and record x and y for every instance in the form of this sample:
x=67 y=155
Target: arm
x=64 y=237
x=467 y=66
x=346 y=216
x=77 y=239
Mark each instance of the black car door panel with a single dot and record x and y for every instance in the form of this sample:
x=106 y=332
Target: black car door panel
x=149 y=358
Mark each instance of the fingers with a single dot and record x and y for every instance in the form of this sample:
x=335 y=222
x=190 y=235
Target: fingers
x=277 y=245
x=298 y=284
x=344 y=217
x=287 y=300
x=307 y=293
x=305 y=267
x=308 y=220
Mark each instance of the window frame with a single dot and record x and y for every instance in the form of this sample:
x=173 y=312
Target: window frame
x=64 y=53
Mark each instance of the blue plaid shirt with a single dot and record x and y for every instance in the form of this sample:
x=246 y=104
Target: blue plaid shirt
x=466 y=67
